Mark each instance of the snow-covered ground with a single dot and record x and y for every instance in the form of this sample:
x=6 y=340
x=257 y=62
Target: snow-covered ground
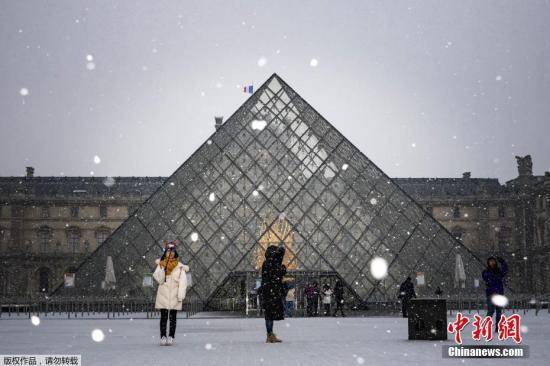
x=235 y=341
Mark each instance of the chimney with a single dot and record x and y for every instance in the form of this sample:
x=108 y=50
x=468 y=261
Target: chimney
x=219 y=122
x=525 y=165
x=466 y=175
x=30 y=172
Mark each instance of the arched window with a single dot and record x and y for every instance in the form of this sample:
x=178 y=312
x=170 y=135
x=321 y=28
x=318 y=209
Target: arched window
x=44 y=279
x=44 y=238
x=4 y=283
x=3 y=239
x=73 y=239
x=102 y=234
x=503 y=237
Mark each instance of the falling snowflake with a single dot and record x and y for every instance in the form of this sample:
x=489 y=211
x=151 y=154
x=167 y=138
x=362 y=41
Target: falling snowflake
x=373 y=201
x=109 y=181
x=89 y=57
x=499 y=300
x=360 y=360
x=498 y=78
x=255 y=193
x=194 y=237
x=379 y=268
x=208 y=346
x=345 y=166
x=97 y=159
x=258 y=124
x=413 y=144
x=262 y=61
x=90 y=66
x=24 y=92
x=212 y=197
x=314 y=62
x=35 y=320
x=98 y=335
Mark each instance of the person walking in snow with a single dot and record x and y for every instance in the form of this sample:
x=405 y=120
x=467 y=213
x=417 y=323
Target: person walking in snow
x=309 y=291
x=327 y=298
x=171 y=276
x=339 y=298
x=406 y=293
x=289 y=302
x=273 y=290
x=312 y=297
x=494 y=276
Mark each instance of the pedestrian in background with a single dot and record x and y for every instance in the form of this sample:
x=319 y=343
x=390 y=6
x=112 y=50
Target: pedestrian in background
x=339 y=298
x=327 y=298
x=406 y=293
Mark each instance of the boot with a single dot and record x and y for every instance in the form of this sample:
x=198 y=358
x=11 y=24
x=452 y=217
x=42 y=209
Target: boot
x=163 y=341
x=272 y=338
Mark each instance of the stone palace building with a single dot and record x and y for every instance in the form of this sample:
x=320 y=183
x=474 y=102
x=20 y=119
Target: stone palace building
x=48 y=225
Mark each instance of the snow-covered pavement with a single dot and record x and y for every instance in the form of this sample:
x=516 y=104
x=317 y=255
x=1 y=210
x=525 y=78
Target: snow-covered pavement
x=317 y=341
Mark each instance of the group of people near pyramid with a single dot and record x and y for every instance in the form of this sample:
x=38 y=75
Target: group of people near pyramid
x=171 y=276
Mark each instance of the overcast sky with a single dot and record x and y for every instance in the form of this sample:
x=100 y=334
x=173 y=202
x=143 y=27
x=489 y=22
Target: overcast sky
x=424 y=89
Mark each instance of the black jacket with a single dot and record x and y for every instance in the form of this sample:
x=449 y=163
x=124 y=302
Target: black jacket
x=273 y=291
x=406 y=290
x=339 y=292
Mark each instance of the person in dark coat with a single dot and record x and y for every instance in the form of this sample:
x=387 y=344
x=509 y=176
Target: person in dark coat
x=309 y=291
x=273 y=290
x=339 y=298
x=493 y=276
x=315 y=298
x=406 y=293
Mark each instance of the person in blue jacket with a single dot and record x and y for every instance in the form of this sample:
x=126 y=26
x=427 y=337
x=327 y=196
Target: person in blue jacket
x=493 y=276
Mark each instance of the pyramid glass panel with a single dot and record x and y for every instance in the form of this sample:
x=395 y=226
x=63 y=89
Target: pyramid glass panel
x=277 y=171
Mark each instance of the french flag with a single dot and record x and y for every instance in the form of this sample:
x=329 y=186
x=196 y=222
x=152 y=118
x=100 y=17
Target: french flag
x=248 y=89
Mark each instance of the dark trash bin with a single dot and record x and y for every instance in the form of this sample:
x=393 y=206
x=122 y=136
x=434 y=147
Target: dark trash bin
x=428 y=319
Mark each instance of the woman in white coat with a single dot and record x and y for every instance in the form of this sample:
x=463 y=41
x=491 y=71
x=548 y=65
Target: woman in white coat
x=172 y=279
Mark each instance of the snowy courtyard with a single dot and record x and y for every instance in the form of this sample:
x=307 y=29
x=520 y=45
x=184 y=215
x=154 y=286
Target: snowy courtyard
x=236 y=341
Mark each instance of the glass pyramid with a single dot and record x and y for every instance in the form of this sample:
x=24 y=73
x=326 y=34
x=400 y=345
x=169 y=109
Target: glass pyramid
x=278 y=171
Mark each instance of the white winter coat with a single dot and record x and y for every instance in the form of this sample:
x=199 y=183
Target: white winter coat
x=327 y=296
x=170 y=293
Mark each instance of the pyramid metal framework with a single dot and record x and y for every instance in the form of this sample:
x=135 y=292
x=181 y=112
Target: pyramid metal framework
x=276 y=154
